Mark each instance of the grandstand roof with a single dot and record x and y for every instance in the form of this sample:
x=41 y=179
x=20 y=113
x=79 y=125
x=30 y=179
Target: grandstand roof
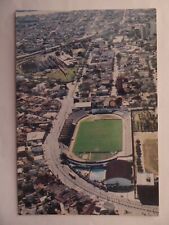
x=37 y=135
x=118 y=168
x=77 y=115
x=82 y=104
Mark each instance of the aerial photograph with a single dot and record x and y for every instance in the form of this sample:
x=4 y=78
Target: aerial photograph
x=86 y=112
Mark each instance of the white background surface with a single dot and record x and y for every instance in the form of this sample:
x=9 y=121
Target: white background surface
x=8 y=199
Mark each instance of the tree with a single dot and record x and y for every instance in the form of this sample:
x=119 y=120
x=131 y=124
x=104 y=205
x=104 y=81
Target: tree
x=63 y=157
x=118 y=56
x=118 y=101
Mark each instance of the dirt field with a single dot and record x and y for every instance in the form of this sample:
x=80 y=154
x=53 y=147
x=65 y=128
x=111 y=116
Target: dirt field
x=150 y=150
x=149 y=145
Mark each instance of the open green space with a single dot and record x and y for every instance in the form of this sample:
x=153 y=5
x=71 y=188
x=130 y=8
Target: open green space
x=59 y=75
x=99 y=138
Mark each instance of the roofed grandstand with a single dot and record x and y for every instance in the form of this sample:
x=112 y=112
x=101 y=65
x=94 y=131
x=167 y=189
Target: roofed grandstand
x=69 y=126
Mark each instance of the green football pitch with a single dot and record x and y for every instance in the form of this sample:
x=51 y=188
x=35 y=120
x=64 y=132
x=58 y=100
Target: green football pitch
x=98 y=136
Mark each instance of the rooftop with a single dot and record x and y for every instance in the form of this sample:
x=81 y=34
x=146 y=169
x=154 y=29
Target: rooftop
x=118 y=168
x=145 y=179
x=32 y=136
x=82 y=104
x=118 y=39
x=21 y=149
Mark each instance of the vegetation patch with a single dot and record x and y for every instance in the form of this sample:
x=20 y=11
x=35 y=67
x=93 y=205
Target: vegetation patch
x=66 y=77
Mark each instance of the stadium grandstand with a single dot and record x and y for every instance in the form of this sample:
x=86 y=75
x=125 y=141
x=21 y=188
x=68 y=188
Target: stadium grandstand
x=78 y=115
x=69 y=126
x=67 y=132
x=119 y=175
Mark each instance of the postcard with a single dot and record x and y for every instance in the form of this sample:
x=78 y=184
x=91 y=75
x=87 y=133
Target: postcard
x=86 y=110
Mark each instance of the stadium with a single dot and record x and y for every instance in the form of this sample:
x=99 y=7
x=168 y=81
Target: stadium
x=97 y=148
x=96 y=138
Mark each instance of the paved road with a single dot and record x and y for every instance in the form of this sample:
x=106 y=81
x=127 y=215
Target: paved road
x=124 y=17
x=115 y=73
x=116 y=70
